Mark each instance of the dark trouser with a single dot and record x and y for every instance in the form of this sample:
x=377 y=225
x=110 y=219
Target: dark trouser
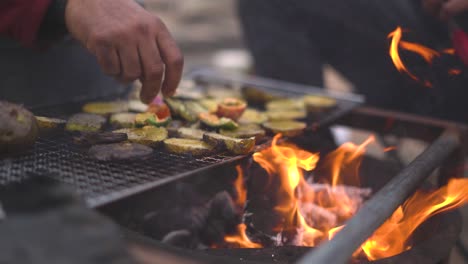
x=292 y=40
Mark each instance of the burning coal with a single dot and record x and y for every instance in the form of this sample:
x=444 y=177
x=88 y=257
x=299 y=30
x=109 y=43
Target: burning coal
x=313 y=212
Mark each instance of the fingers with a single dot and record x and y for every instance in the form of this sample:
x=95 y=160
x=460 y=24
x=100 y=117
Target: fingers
x=455 y=7
x=130 y=64
x=108 y=59
x=173 y=60
x=153 y=70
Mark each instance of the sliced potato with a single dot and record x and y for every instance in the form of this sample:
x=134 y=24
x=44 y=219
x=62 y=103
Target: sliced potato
x=245 y=131
x=123 y=120
x=48 y=125
x=316 y=103
x=120 y=151
x=252 y=116
x=18 y=129
x=190 y=133
x=285 y=105
x=85 y=122
x=233 y=145
x=137 y=106
x=188 y=146
x=104 y=108
x=287 y=128
x=148 y=135
x=286 y=115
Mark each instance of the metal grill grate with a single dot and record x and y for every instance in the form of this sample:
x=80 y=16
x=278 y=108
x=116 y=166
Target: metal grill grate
x=101 y=182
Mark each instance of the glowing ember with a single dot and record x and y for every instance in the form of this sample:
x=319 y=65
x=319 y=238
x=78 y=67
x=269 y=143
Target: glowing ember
x=392 y=237
x=391 y=148
x=241 y=239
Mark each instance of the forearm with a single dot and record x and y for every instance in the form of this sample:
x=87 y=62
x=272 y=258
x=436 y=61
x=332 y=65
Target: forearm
x=21 y=19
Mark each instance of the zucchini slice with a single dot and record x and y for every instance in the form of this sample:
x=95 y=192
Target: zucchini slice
x=123 y=120
x=48 y=125
x=190 y=133
x=214 y=121
x=233 y=145
x=286 y=115
x=211 y=105
x=85 y=122
x=104 y=108
x=150 y=119
x=148 y=135
x=245 y=131
x=178 y=108
x=317 y=103
x=285 y=105
x=252 y=116
x=120 y=151
x=287 y=128
x=188 y=146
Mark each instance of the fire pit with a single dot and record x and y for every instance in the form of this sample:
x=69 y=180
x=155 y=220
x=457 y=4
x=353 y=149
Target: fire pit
x=300 y=205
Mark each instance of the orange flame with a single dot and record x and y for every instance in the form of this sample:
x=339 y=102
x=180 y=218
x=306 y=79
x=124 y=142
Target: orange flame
x=240 y=188
x=388 y=149
x=241 y=238
x=392 y=237
x=454 y=71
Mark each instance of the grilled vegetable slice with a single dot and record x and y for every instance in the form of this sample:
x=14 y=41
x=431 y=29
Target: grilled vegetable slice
x=245 y=131
x=137 y=106
x=178 y=108
x=85 y=122
x=234 y=145
x=231 y=108
x=252 y=116
x=286 y=115
x=48 y=125
x=221 y=92
x=18 y=129
x=214 y=121
x=120 y=151
x=124 y=120
x=188 y=146
x=316 y=103
x=211 y=105
x=173 y=127
x=92 y=138
x=195 y=108
x=160 y=109
x=257 y=96
x=144 y=119
x=287 y=128
x=148 y=135
x=285 y=105
x=190 y=133
x=104 y=108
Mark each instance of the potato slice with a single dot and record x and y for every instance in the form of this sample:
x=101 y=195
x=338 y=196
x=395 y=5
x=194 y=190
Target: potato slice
x=18 y=129
x=123 y=120
x=148 y=135
x=245 y=131
x=287 y=128
x=85 y=122
x=105 y=108
x=316 y=103
x=120 y=151
x=286 y=115
x=233 y=145
x=188 y=146
x=190 y=133
x=285 y=105
x=252 y=116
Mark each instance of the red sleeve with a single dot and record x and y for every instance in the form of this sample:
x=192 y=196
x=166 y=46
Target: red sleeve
x=21 y=19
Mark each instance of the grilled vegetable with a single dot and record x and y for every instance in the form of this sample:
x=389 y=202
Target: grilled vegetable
x=92 y=138
x=285 y=105
x=287 y=128
x=195 y=108
x=315 y=103
x=252 y=116
x=85 y=122
x=120 y=151
x=18 y=129
x=245 y=131
x=104 y=108
x=173 y=127
x=256 y=96
x=123 y=120
x=190 y=133
x=188 y=146
x=214 y=121
x=211 y=105
x=160 y=109
x=286 y=115
x=231 y=108
x=137 y=106
x=148 y=135
x=49 y=125
x=178 y=108
x=234 y=145
x=145 y=119
x=220 y=92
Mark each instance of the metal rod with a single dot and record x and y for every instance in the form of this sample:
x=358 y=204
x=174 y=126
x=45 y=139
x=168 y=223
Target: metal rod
x=382 y=205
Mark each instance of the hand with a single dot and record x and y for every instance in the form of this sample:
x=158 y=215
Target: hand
x=129 y=43
x=443 y=9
